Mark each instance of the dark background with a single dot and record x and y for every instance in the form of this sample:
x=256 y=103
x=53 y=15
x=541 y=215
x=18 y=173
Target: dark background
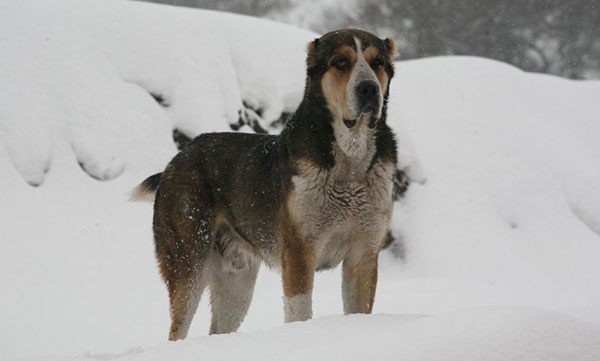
x=560 y=37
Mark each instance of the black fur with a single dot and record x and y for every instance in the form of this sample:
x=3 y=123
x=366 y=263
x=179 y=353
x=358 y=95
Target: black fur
x=150 y=184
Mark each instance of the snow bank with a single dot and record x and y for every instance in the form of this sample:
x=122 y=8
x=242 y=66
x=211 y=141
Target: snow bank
x=491 y=334
x=513 y=176
x=82 y=74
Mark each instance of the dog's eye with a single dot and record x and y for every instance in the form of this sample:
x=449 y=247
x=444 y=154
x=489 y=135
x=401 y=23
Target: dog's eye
x=342 y=64
x=375 y=64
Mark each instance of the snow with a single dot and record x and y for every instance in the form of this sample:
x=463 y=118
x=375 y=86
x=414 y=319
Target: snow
x=489 y=333
x=501 y=242
x=517 y=155
x=82 y=75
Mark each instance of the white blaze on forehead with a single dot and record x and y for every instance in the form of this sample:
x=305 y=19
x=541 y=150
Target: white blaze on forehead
x=361 y=62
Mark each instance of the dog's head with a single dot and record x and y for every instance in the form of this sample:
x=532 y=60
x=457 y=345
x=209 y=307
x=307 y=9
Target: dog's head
x=352 y=69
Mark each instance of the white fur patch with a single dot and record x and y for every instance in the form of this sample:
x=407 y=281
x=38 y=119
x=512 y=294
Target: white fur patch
x=297 y=308
x=357 y=142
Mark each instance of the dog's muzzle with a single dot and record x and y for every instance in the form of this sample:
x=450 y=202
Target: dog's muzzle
x=367 y=94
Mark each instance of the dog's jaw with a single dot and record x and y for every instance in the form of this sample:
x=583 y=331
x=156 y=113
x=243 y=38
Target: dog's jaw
x=357 y=142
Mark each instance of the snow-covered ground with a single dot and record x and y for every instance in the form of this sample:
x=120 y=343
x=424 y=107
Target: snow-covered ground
x=502 y=242
x=487 y=333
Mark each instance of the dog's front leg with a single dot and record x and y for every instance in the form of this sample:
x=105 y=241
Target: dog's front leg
x=359 y=282
x=297 y=266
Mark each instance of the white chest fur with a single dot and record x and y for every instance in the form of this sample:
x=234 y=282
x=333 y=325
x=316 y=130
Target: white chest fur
x=347 y=207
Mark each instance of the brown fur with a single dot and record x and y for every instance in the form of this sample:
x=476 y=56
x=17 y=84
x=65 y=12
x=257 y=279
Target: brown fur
x=371 y=53
x=334 y=83
x=392 y=48
x=334 y=90
x=363 y=275
x=297 y=259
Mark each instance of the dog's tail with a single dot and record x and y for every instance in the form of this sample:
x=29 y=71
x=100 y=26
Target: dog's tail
x=146 y=190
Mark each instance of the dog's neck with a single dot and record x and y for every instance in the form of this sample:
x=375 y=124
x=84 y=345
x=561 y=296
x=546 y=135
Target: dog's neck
x=357 y=144
x=310 y=135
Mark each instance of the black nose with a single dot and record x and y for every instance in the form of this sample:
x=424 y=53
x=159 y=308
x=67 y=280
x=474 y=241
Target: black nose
x=368 y=95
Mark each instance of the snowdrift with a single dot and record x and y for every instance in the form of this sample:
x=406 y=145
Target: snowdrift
x=513 y=177
x=491 y=334
x=510 y=213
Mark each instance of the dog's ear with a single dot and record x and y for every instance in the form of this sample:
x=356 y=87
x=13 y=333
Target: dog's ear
x=390 y=44
x=311 y=54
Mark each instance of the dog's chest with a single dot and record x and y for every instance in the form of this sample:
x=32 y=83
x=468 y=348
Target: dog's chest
x=342 y=207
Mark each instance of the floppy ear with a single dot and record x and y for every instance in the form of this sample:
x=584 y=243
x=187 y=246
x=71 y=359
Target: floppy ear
x=311 y=54
x=392 y=49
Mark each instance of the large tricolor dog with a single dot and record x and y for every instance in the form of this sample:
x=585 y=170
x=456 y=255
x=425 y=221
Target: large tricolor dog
x=317 y=195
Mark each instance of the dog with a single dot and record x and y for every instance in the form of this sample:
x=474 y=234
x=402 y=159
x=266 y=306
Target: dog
x=314 y=196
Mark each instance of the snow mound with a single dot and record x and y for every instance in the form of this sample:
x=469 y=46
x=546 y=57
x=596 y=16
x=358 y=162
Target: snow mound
x=83 y=76
x=512 y=166
x=490 y=334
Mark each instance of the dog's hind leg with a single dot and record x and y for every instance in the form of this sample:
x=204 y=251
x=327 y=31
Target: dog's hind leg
x=184 y=296
x=183 y=240
x=232 y=277
x=186 y=282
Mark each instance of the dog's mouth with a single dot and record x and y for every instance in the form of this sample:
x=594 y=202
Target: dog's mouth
x=368 y=115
